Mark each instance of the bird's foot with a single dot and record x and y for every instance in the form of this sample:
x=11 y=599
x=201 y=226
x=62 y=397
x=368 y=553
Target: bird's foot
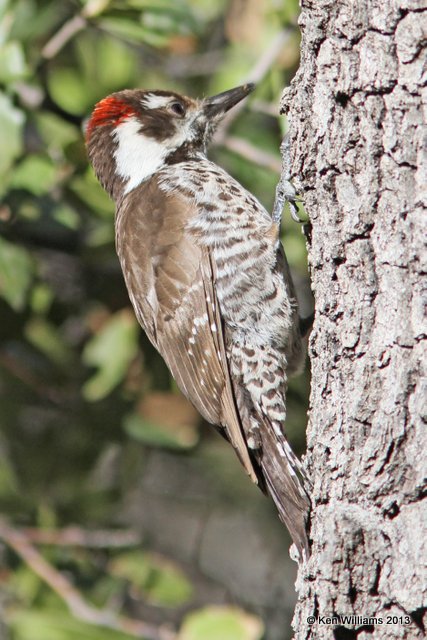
x=285 y=190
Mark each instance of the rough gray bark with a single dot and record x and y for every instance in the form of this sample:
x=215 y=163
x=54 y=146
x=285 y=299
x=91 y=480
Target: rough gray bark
x=355 y=111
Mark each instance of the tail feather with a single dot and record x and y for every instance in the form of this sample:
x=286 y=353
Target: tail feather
x=279 y=472
x=281 y=468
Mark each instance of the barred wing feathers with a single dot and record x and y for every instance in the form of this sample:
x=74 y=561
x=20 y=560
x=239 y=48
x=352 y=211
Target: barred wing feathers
x=170 y=283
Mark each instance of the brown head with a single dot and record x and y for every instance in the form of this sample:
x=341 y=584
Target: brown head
x=133 y=133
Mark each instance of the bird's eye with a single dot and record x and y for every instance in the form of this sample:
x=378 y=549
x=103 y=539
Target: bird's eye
x=178 y=108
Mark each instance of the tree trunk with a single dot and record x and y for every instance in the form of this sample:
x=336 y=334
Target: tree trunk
x=355 y=115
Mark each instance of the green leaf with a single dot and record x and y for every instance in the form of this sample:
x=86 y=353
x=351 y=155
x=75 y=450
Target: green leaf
x=170 y=20
x=132 y=566
x=111 y=351
x=11 y=128
x=101 y=234
x=55 y=132
x=120 y=64
x=12 y=62
x=168 y=587
x=69 y=91
x=132 y=32
x=24 y=584
x=160 y=435
x=51 y=624
x=66 y=216
x=162 y=582
x=8 y=480
x=36 y=174
x=227 y=623
x=94 y=8
x=48 y=339
x=31 y=19
x=41 y=298
x=16 y=274
x=208 y=10
x=93 y=195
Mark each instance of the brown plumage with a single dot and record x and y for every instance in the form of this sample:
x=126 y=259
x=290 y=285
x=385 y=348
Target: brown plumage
x=207 y=277
x=174 y=279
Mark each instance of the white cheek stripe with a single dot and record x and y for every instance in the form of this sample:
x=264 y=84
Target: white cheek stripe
x=151 y=101
x=137 y=156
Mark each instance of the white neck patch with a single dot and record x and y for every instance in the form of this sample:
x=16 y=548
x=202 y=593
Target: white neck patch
x=137 y=156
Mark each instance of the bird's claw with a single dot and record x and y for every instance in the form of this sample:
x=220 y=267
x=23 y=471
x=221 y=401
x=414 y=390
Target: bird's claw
x=294 y=210
x=285 y=190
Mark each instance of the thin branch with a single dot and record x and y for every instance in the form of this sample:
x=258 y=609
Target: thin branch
x=255 y=155
x=65 y=34
x=77 y=537
x=14 y=367
x=198 y=64
x=267 y=59
x=256 y=75
x=262 y=106
x=75 y=602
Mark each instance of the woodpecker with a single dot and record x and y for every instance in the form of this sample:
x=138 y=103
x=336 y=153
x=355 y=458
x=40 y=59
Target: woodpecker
x=207 y=276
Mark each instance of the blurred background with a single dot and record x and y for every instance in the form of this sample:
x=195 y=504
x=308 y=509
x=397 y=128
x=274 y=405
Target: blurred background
x=116 y=501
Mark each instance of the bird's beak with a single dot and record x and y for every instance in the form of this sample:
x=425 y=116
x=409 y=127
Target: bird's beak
x=219 y=105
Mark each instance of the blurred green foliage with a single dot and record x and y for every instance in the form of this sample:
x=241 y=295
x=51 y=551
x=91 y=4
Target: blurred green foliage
x=227 y=623
x=77 y=375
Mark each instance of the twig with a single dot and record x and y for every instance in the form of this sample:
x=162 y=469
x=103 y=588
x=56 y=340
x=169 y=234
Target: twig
x=248 y=151
x=66 y=32
x=23 y=374
x=256 y=75
x=77 y=537
x=269 y=56
x=199 y=64
x=262 y=106
x=78 y=607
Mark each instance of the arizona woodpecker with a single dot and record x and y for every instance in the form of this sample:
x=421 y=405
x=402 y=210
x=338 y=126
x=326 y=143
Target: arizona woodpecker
x=207 y=276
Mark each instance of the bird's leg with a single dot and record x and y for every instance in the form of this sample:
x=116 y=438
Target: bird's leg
x=285 y=190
